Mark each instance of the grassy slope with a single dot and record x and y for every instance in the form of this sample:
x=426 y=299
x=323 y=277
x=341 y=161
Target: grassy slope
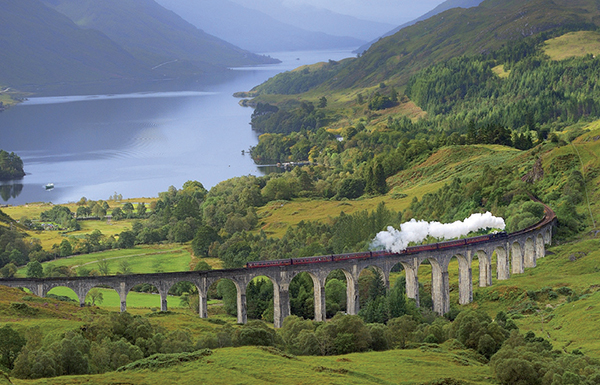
x=573 y=44
x=440 y=168
x=251 y=365
x=142 y=259
x=427 y=176
x=48 y=238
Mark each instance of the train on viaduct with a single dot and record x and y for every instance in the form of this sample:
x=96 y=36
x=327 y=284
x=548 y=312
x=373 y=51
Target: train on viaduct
x=514 y=252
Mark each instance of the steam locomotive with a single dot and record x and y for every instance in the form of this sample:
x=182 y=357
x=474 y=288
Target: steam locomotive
x=549 y=216
x=375 y=254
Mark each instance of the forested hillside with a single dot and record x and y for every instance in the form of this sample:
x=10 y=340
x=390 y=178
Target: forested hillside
x=457 y=32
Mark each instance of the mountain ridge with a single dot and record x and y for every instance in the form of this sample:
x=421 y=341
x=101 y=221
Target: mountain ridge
x=35 y=63
x=457 y=32
x=448 y=4
x=252 y=29
x=117 y=47
x=154 y=34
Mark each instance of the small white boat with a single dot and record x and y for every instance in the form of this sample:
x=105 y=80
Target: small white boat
x=49 y=186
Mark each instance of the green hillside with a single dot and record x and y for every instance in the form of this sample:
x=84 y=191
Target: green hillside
x=461 y=31
x=457 y=32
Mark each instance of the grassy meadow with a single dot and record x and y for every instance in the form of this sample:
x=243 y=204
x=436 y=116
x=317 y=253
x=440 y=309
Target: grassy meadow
x=253 y=365
x=429 y=175
x=140 y=259
x=573 y=44
x=107 y=227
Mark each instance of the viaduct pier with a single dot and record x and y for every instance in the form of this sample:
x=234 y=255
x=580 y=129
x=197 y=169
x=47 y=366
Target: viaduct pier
x=514 y=252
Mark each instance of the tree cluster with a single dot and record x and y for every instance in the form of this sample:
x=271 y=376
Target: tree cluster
x=11 y=166
x=270 y=119
x=537 y=94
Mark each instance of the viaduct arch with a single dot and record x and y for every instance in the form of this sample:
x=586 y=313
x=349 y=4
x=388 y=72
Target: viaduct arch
x=515 y=252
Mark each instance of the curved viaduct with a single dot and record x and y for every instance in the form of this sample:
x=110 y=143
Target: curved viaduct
x=514 y=253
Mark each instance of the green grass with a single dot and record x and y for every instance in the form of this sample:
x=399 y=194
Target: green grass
x=252 y=365
x=573 y=44
x=568 y=325
x=48 y=238
x=501 y=71
x=135 y=300
x=141 y=259
x=425 y=177
x=113 y=303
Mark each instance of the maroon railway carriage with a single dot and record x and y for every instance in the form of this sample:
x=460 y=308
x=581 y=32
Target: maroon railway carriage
x=375 y=254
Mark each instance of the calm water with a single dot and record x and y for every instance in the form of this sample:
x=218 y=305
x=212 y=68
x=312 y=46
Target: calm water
x=136 y=144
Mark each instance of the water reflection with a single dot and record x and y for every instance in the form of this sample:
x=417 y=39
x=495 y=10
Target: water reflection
x=11 y=189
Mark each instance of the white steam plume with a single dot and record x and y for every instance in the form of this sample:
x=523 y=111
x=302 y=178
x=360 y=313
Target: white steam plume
x=417 y=231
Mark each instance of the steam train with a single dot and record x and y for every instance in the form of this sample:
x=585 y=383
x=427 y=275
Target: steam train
x=374 y=254
x=549 y=216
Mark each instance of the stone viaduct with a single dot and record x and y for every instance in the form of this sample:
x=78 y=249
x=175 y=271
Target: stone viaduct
x=514 y=253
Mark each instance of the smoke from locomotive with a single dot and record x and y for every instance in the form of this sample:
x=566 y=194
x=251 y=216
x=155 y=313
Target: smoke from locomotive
x=417 y=231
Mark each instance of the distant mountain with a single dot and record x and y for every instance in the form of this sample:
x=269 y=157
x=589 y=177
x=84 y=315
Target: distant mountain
x=41 y=47
x=101 y=44
x=155 y=35
x=322 y=20
x=252 y=29
x=446 y=5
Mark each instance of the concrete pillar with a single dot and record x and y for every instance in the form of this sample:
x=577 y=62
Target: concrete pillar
x=163 y=300
x=440 y=287
x=465 y=281
x=242 y=315
x=123 y=290
x=40 y=290
x=320 y=309
x=81 y=294
x=548 y=235
x=385 y=276
x=503 y=268
x=540 y=248
x=202 y=304
x=516 y=254
x=281 y=304
x=485 y=268
x=412 y=283
x=123 y=298
x=352 y=300
x=529 y=259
